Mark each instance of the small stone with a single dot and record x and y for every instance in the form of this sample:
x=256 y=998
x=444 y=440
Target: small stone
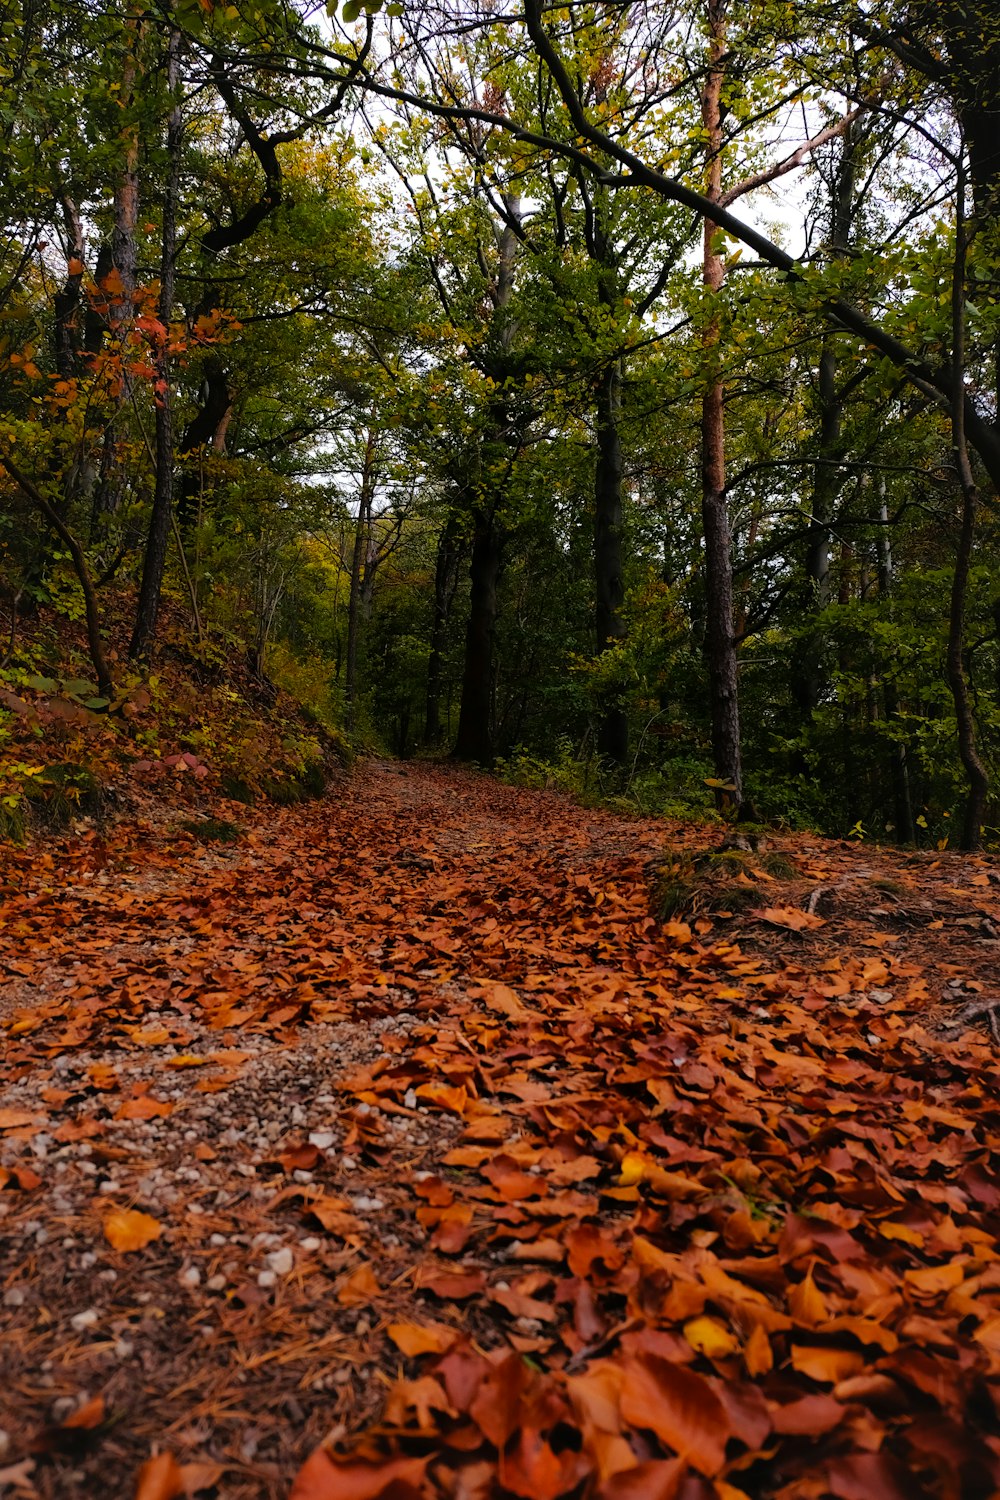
x=215 y=1283
x=281 y=1261
x=266 y=1279
x=302 y=1177
x=81 y=1321
x=124 y=1349
x=410 y=1099
x=321 y=1139
x=190 y=1277
x=217 y=1240
x=13 y=1297
x=310 y=1243
x=362 y=1326
x=365 y=1205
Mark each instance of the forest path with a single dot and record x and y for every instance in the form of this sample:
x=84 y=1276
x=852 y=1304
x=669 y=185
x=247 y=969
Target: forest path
x=403 y=1122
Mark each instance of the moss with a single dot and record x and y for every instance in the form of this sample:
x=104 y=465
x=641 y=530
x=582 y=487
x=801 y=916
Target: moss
x=236 y=789
x=13 y=826
x=718 y=880
x=213 y=830
x=63 y=792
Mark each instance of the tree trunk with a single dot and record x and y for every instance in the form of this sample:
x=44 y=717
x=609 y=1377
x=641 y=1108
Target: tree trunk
x=362 y=533
x=95 y=640
x=612 y=736
x=154 y=560
x=475 y=736
x=720 y=641
x=206 y=430
x=445 y=585
x=116 y=275
x=809 y=673
x=899 y=766
x=975 y=806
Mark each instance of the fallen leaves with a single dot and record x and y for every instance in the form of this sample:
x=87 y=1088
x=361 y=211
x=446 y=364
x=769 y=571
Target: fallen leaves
x=791 y=917
x=127 y=1229
x=618 y=1211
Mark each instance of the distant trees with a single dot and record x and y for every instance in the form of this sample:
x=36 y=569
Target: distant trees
x=447 y=352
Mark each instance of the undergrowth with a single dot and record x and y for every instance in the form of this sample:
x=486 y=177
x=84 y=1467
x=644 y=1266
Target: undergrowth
x=196 y=723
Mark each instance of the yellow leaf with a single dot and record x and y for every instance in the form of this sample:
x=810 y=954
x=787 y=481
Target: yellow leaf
x=710 y=1337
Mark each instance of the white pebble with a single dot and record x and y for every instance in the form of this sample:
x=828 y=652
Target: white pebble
x=266 y=1279
x=310 y=1243
x=190 y=1277
x=321 y=1139
x=83 y=1320
x=281 y=1261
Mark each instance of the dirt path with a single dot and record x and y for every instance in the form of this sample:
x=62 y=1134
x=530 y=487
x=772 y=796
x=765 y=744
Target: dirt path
x=440 y=1143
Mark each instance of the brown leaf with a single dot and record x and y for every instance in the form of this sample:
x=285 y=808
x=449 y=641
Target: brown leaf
x=679 y=1406
x=658 y=1479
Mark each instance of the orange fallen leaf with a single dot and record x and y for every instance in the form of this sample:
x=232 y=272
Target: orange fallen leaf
x=360 y=1288
x=14 y=1119
x=128 y=1229
x=826 y=1366
x=422 y=1338
x=326 y=1477
x=145 y=1107
x=790 y=916
x=160 y=1478
x=930 y=1281
x=88 y=1416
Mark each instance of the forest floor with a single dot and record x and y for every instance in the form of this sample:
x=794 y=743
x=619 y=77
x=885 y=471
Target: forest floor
x=397 y=1149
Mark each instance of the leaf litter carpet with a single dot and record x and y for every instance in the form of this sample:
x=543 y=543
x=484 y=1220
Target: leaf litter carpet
x=399 y=1151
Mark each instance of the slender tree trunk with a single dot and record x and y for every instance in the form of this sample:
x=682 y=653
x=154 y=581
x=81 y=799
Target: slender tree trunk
x=116 y=275
x=362 y=533
x=902 y=802
x=975 y=806
x=475 y=739
x=95 y=640
x=720 y=642
x=158 y=535
x=612 y=737
x=809 y=672
x=66 y=304
x=205 y=431
x=445 y=585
